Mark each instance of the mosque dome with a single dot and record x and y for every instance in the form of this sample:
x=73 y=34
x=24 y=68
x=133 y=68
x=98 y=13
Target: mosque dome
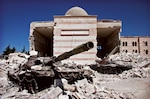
x=76 y=11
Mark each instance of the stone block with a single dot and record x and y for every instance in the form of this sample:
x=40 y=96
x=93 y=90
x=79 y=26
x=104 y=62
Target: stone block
x=63 y=97
x=90 y=88
x=55 y=92
x=33 y=53
x=69 y=87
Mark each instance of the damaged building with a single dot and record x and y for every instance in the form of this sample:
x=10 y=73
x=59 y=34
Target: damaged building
x=52 y=38
x=81 y=39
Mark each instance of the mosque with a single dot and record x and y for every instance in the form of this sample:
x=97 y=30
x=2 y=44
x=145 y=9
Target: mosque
x=65 y=32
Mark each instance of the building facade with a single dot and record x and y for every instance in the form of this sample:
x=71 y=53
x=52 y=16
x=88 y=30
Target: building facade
x=136 y=44
x=52 y=38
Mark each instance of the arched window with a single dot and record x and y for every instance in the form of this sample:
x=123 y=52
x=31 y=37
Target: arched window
x=146 y=51
x=135 y=51
x=126 y=51
x=132 y=43
x=126 y=44
x=146 y=43
x=122 y=43
x=135 y=43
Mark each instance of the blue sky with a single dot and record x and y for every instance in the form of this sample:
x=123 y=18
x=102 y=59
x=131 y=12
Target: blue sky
x=16 y=16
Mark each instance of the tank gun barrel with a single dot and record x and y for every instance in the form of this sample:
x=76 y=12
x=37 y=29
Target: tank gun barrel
x=79 y=49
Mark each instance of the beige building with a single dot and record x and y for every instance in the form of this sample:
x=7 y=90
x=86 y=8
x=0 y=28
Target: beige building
x=136 y=44
x=52 y=38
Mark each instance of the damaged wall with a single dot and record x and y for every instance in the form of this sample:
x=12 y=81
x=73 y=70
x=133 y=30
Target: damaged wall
x=41 y=37
x=108 y=36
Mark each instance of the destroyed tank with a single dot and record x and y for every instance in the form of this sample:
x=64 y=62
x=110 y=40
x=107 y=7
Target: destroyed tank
x=39 y=73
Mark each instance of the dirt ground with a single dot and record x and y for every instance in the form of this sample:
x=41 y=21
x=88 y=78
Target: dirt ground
x=140 y=87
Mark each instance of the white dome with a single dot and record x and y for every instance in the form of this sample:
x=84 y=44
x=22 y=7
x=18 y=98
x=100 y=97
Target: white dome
x=76 y=11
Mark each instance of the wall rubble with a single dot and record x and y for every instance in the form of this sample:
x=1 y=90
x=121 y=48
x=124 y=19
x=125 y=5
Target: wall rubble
x=83 y=88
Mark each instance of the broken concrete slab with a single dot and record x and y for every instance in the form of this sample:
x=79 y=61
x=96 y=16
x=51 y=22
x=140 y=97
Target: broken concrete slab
x=82 y=82
x=53 y=93
x=33 y=53
x=63 y=96
x=17 y=58
x=79 y=96
x=69 y=87
x=9 y=95
x=90 y=88
x=37 y=67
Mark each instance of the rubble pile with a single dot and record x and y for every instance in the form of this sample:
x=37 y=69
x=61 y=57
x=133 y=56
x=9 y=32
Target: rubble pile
x=133 y=59
x=140 y=65
x=73 y=81
x=11 y=64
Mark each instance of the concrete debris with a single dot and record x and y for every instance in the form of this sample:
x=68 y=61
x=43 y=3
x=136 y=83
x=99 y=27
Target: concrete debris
x=36 y=67
x=116 y=79
x=63 y=97
x=90 y=88
x=33 y=53
x=133 y=59
x=53 y=93
x=69 y=87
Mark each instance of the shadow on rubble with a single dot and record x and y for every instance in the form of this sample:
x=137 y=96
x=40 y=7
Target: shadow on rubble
x=110 y=68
